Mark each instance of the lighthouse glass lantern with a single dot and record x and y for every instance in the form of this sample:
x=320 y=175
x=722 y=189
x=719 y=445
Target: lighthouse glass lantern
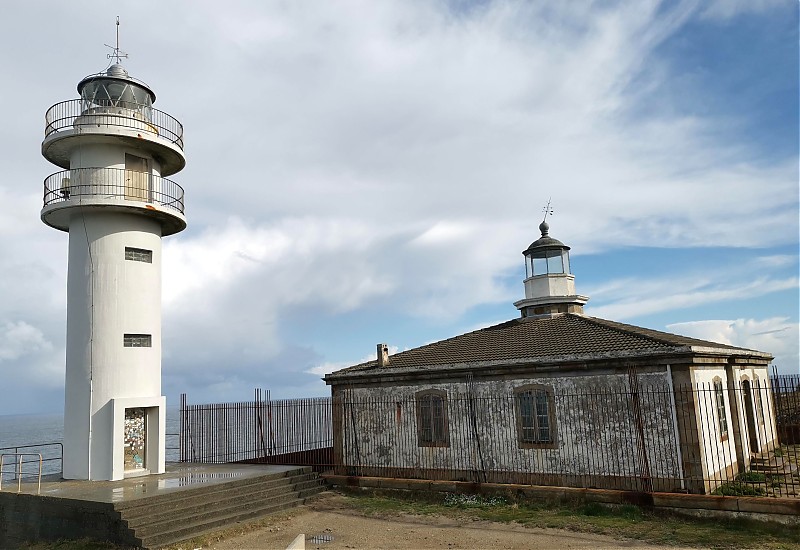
x=113 y=197
x=549 y=284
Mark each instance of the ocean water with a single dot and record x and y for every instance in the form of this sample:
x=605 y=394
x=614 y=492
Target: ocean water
x=42 y=431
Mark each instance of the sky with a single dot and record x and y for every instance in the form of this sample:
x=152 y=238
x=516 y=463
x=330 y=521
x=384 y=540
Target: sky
x=361 y=172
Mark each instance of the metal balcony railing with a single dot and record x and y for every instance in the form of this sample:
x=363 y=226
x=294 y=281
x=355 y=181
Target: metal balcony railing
x=74 y=113
x=80 y=183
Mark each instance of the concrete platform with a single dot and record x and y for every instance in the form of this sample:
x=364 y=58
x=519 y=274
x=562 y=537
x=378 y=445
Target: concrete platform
x=153 y=510
x=178 y=477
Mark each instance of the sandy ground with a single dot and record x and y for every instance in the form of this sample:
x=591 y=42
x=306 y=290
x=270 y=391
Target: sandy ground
x=336 y=523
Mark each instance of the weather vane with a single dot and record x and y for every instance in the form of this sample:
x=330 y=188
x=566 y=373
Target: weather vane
x=116 y=52
x=547 y=210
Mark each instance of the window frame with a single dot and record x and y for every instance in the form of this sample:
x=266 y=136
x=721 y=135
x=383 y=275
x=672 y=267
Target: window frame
x=531 y=443
x=439 y=434
x=720 y=408
x=142 y=255
x=137 y=340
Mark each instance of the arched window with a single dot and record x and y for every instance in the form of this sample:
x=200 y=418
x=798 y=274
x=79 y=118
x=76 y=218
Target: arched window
x=535 y=411
x=432 y=419
x=758 y=404
x=722 y=413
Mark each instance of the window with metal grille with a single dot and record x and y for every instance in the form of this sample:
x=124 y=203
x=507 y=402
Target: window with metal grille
x=535 y=416
x=432 y=419
x=137 y=340
x=138 y=254
x=722 y=413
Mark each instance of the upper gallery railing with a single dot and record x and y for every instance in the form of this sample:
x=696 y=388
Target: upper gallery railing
x=73 y=114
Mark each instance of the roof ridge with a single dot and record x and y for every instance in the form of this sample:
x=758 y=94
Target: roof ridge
x=660 y=336
x=624 y=328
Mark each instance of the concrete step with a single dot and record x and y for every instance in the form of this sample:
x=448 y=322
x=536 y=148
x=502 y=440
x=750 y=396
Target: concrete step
x=167 y=523
x=198 y=498
x=211 y=488
x=767 y=459
x=205 y=509
x=225 y=502
x=187 y=531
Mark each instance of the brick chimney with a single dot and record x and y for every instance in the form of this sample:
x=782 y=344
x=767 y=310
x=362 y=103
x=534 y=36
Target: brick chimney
x=383 y=355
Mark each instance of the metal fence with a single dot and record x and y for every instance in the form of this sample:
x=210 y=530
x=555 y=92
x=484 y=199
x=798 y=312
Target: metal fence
x=701 y=439
x=79 y=183
x=293 y=431
x=51 y=456
x=74 y=115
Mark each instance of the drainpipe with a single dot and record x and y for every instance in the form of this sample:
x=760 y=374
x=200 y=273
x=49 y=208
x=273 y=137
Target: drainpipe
x=675 y=426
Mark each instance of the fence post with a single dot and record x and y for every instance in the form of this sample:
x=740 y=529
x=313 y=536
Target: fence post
x=182 y=430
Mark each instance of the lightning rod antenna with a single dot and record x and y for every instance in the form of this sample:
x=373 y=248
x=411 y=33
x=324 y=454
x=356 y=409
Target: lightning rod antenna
x=547 y=210
x=115 y=51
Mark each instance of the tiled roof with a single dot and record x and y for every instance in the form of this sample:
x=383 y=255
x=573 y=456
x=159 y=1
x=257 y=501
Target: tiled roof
x=531 y=338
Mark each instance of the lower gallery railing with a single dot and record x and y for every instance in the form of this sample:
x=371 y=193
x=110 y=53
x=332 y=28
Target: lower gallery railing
x=637 y=437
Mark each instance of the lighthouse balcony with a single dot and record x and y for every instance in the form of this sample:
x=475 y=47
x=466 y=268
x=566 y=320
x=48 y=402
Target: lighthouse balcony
x=113 y=189
x=148 y=128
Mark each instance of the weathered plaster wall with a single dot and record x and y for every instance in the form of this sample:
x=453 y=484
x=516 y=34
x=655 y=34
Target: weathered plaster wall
x=596 y=428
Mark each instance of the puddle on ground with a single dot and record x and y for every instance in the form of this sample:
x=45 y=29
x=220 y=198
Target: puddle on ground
x=319 y=539
x=190 y=479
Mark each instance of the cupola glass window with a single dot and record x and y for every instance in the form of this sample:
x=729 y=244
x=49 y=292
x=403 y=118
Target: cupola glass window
x=544 y=262
x=104 y=92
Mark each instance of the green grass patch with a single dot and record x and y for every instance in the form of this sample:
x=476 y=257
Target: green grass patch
x=625 y=522
x=737 y=489
x=752 y=477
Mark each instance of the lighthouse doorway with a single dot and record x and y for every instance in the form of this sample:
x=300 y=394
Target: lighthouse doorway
x=135 y=438
x=138 y=181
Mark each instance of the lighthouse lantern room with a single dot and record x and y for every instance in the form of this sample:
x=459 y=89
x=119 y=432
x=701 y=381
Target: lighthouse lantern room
x=115 y=201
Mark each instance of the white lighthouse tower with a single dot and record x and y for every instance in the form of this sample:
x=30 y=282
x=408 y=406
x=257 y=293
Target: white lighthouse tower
x=114 y=199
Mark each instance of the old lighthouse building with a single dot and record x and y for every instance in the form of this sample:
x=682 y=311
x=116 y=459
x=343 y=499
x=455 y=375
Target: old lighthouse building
x=556 y=397
x=111 y=194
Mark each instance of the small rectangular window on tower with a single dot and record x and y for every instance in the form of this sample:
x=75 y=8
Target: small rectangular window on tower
x=138 y=254
x=137 y=341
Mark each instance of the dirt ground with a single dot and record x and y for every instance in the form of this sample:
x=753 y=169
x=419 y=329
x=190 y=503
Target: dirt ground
x=337 y=526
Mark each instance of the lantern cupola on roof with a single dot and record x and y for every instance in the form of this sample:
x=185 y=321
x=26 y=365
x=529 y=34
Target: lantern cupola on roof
x=116 y=88
x=549 y=285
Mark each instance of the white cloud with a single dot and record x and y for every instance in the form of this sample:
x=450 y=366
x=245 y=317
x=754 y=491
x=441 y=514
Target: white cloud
x=727 y=9
x=631 y=297
x=19 y=338
x=777 y=336
x=329 y=367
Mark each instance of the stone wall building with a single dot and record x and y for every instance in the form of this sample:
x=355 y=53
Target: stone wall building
x=556 y=397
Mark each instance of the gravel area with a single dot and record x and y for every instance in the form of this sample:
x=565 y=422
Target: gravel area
x=336 y=525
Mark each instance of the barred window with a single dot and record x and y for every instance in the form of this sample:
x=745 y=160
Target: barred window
x=535 y=416
x=138 y=254
x=137 y=340
x=722 y=414
x=432 y=419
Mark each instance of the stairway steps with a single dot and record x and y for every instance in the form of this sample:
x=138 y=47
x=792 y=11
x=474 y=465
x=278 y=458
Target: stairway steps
x=197 y=499
x=209 y=508
x=196 y=529
x=213 y=488
x=177 y=523
x=173 y=517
